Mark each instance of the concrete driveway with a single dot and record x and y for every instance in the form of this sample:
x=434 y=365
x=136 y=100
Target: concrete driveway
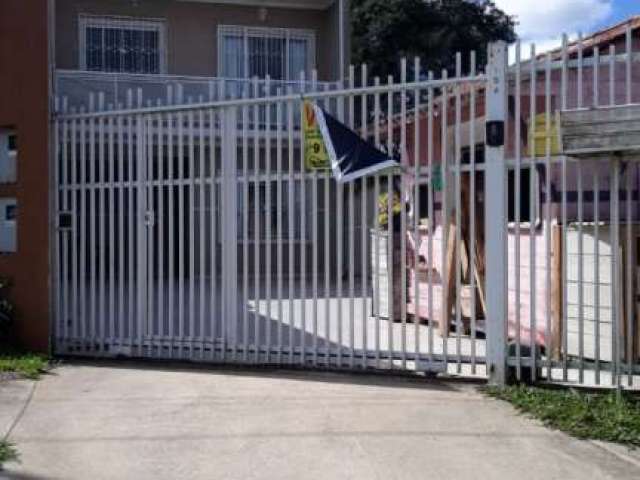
x=155 y=422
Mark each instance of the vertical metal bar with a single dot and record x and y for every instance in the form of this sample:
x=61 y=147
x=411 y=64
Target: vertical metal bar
x=171 y=157
x=496 y=220
x=102 y=310
x=73 y=180
x=390 y=220
x=291 y=228
x=377 y=232
x=328 y=220
x=596 y=275
x=579 y=90
x=59 y=288
x=160 y=221
x=628 y=63
x=256 y=223
x=303 y=235
x=149 y=228
x=472 y=214
x=268 y=230
x=245 y=228
x=518 y=212
x=229 y=219
x=534 y=213
x=131 y=214
x=363 y=229
x=565 y=322
x=458 y=209
x=548 y=200
x=83 y=189
x=64 y=253
x=615 y=272
x=314 y=237
x=431 y=213
x=190 y=182
x=612 y=74
x=580 y=274
x=201 y=230
x=444 y=168
x=279 y=222
x=351 y=231
x=416 y=209
x=596 y=76
x=403 y=212
x=141 y=129
x=214 y=209
x=111 y=213
x=180 y=218
x=629 y=265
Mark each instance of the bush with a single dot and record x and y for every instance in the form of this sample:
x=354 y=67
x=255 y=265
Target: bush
x=6 y=312
x=8 y=453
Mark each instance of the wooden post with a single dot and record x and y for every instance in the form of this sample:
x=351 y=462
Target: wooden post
x=556 y=291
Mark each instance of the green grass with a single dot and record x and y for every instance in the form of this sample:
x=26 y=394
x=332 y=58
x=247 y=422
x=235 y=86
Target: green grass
x=597 y=416
x=21 y=364
x=8 y=453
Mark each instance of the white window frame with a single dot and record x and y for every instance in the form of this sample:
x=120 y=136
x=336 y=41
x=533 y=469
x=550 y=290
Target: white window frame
x=265 y=32
x=144 y=24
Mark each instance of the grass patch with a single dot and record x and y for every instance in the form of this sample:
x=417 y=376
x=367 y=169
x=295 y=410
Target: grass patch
x=597 y=416
x=8 y=453
x=21 y=364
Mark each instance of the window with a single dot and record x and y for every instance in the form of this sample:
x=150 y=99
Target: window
x=124 y=45
x=8 y=155
x=257 y=52
x=528 y=211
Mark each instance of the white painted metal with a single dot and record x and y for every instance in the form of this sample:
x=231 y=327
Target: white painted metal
x=199 y=232
x=496 y=220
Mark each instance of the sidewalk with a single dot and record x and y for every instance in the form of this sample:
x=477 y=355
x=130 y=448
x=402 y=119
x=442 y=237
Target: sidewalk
x=154 y=422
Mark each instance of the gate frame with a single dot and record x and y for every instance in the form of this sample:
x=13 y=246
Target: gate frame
x=496 y=223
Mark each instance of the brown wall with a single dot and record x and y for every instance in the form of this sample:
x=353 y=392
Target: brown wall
x=24 y=106
x=192 y=30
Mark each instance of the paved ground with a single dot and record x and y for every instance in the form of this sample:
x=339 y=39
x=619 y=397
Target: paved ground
x=156 y=422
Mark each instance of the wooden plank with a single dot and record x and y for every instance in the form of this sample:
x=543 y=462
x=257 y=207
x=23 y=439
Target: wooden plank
x=556 y=291
x=448 y=282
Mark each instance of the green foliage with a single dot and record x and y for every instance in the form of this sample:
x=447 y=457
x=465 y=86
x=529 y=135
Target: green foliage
x=8 y=453
x=385 y=30
x=598 y=416
x=22 y=365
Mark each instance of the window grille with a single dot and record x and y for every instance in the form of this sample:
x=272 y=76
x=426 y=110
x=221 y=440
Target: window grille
x=246 y=52
x=122 y=45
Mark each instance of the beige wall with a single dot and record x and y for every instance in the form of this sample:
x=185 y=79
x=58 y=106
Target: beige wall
x=192 y=30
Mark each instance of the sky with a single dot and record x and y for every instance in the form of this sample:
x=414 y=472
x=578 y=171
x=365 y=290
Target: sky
x=544 y=21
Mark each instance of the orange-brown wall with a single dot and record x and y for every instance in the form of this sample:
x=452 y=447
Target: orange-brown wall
x=24 y=97
x=192 y=30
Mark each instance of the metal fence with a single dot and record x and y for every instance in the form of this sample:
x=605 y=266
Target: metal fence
x=186 y=232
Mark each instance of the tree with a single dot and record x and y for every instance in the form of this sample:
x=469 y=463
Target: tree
x=383 y=31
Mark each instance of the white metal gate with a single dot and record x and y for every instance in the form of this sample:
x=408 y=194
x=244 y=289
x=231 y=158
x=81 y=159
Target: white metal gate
x=195 y=231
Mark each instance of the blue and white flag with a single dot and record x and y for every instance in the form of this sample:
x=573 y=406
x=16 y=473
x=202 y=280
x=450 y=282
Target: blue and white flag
x=351 y=157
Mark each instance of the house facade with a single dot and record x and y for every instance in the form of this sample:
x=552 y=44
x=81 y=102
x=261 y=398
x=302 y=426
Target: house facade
x=98 y=54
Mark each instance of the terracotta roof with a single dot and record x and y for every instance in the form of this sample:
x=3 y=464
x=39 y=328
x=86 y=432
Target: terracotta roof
x=599 y=38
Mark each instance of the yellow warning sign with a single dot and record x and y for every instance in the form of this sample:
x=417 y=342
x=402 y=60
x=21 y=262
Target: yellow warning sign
x=542 y=135
x=315 y=152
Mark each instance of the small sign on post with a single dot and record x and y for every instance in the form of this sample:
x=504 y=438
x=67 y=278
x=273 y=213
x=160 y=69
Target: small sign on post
x=315 y=152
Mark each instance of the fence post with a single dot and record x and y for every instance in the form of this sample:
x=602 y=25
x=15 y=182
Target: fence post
x=229 y=222
x=496 y=214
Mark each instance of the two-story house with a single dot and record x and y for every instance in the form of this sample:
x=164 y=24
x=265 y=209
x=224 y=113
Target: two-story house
x=86 y=54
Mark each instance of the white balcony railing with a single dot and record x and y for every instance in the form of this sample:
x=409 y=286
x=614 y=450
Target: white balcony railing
x=81 y=90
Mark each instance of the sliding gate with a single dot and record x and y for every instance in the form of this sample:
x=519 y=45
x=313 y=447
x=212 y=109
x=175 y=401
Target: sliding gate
x=198 y=231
